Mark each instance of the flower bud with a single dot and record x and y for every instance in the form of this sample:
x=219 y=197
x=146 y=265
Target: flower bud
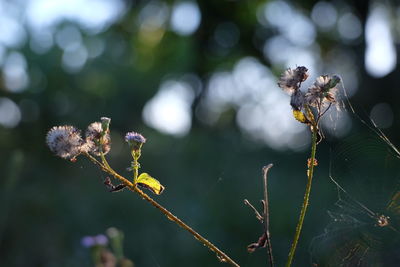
x=105 y=124
x=135 y=140
x=334 y=81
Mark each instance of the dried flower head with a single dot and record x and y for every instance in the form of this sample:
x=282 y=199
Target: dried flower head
x=323 y=91
x=297 y=100
x=135 y=140
x=291 y=79
x=95 y=136
x=65 y=141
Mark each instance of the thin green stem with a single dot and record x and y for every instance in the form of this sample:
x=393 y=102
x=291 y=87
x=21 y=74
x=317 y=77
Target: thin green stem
x=310 y=172
x=220 y=254
x=135 y=156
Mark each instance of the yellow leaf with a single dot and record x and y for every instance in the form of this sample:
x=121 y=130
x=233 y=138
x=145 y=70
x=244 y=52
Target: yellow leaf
x=145 y=180
x=298 y=115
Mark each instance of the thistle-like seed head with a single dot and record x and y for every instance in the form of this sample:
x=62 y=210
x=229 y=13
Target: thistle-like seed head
x=65 y=141
x=323 y=91
x=292 y=78
x=94 y=138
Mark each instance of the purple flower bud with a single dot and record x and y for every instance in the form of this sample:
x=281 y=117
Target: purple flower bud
x=88 y=241
x=91 y=241
x=135 y=140
x=101 y=240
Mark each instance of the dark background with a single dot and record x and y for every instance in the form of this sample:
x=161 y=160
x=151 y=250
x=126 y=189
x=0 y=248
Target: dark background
x=48 y=204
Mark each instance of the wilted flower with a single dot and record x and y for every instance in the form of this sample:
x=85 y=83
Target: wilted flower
x=323 y=91
x=297 y=100
x=291 y=79
x=94 y=138
x=65 y=141
x=135 y=140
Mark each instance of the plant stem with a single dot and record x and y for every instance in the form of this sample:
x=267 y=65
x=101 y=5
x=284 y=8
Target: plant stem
x=310 y=172
x=266 y=214
x=135 y=166
x=220 y=255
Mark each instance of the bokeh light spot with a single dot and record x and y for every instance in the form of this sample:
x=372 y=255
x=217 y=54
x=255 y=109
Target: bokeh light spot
x=41 y=42
x=292 y=24
x=10 y=115
x=12 y=32
x=68 y=38
x=74 y=59
x=380 y=54
x=349 y=27
x=169 y=111
x=263 y=110
x=92 y=15
x=185 y=18
x=324 y=14
x=15 y=76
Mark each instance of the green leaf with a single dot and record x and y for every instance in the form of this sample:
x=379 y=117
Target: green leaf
x=145 y=180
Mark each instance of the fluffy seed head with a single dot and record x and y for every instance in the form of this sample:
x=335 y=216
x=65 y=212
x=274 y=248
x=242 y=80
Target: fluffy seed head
x=94 y=138
x=292 y=78
x=65 y=141
x=322 y=82
x=323 y=91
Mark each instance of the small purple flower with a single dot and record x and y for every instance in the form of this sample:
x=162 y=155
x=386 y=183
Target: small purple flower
x=101 y=240
x=88 y=241
x=91 y=241
x=135 y=137
x=135 y=140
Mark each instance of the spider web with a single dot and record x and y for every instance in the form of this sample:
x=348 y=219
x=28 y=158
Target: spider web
x=365 y=223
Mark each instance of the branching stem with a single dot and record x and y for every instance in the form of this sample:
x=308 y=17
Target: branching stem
x=106 y=168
